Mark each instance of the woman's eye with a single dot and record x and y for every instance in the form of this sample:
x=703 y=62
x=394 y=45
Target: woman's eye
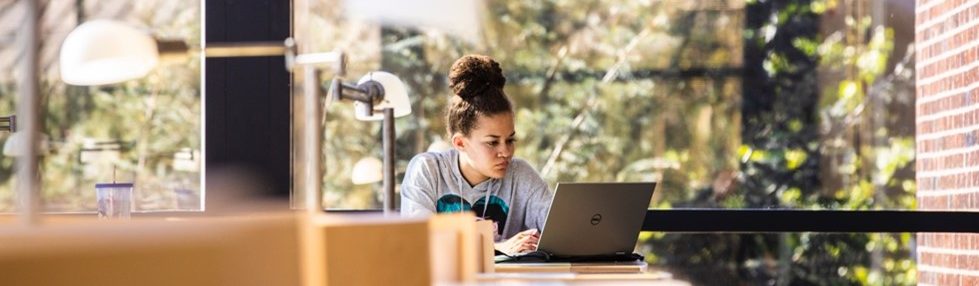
x=511 y=141
x=491 y=143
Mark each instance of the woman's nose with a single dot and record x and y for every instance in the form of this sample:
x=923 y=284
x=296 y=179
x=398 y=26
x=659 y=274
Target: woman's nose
x=505 y=151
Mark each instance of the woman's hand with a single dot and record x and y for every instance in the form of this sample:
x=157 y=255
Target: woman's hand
x=525 y=241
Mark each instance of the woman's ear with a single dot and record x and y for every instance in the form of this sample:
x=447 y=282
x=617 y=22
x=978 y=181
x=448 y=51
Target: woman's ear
x=458 y=141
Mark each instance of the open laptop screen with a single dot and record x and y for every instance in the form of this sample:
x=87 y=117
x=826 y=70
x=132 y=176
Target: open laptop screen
x=588 y=219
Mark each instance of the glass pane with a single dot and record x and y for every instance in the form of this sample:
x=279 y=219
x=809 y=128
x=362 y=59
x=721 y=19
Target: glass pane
x=145 y=131
x=785 y=259
x=729 y=104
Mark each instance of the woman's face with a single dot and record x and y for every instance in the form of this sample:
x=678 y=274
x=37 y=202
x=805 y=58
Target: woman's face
x=489 y=146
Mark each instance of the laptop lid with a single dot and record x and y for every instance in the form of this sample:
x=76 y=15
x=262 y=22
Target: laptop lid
x=588 y=219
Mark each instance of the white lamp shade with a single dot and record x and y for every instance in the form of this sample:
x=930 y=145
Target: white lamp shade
x=17 y=142
x=104 y=52
x=367 y=170
x=13 y=146
x=395 y=96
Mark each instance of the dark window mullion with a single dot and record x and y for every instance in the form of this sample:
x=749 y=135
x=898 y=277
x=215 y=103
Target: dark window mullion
x=725 y=220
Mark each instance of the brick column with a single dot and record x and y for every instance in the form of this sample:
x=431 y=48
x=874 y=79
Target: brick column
x=947 y=111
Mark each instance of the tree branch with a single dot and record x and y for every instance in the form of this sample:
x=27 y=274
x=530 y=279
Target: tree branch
x=610 y=74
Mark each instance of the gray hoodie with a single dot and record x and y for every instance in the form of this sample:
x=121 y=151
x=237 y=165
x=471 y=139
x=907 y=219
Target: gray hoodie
x=434 y=183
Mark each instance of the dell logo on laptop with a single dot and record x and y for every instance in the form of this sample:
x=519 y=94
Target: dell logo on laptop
x=595 y=219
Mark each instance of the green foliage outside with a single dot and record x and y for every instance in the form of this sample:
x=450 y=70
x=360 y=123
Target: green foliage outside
x=727 y=104
x=137 y=129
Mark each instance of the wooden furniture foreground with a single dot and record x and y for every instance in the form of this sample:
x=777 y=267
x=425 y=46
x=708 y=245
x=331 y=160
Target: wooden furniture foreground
x=260 y=249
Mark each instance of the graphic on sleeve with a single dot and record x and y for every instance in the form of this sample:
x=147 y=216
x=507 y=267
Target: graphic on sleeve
x=452 y=204
x=497 y=210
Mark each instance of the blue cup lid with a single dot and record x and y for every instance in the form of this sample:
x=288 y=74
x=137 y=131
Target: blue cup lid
x=113 y=185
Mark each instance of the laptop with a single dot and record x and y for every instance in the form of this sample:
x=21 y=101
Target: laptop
x=595 y=220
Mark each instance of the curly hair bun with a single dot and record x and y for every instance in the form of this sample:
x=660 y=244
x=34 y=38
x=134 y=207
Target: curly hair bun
x=472 y=75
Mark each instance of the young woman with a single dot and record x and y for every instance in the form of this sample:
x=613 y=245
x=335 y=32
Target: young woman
x=480 y=174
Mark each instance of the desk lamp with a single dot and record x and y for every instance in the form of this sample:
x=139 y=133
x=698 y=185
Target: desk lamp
x=102 y=52
x=378 y=96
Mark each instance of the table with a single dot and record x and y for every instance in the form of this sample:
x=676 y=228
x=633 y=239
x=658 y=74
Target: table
x=578 y=274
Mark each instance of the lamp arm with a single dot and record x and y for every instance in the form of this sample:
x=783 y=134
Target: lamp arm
x=353 y=92
x=245 y=49
x=171 y=46
x=288 y=48
x=370 y=93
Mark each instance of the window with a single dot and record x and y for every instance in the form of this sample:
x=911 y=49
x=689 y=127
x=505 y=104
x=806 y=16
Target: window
x=146 y=131
x=796 y=105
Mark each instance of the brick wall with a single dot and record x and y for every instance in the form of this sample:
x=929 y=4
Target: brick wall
x=947 y=110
